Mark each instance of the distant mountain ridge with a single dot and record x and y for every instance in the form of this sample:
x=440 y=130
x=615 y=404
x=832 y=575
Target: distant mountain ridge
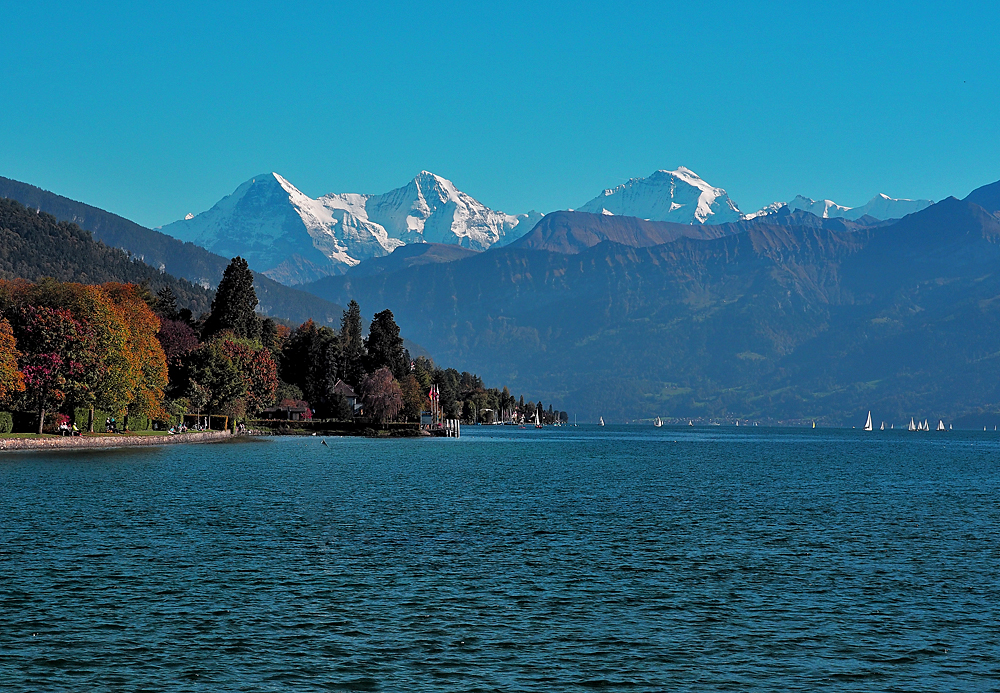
x=789 y=316
x=293 y=238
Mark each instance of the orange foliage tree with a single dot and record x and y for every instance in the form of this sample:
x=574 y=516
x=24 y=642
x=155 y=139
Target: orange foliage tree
x=11 y=379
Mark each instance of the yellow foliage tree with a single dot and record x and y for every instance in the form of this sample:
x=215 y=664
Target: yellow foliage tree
x=11 y=379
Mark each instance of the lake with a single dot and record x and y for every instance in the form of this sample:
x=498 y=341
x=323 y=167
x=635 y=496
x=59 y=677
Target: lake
x=566 y=559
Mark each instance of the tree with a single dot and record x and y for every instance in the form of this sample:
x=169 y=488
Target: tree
x=352 y=346
x=145 y=358
x=309 y=361
x=214 y=378
x=385 y=346
x=381 y=395
x=55 y=350
x=257 y=370
x=11 y=378
x=234 y=304
x=166 y=304
x=414 y=397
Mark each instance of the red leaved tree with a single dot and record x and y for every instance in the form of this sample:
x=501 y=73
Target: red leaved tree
x=381 y=395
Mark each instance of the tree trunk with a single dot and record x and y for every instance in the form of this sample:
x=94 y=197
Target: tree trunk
x=41 y=419
x=90 y=422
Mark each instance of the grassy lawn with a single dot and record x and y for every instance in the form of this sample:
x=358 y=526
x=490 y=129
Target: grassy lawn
x=28 y=435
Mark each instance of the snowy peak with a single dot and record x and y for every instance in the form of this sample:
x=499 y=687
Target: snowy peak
x=881 y=207
x=294 y=238
x=679 y=196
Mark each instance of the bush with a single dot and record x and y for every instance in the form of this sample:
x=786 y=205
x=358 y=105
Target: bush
x=6 y=423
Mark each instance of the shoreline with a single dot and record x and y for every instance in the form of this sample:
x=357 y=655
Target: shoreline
x=110 y=441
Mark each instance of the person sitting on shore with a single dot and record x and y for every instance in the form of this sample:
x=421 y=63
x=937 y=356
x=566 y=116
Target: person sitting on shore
x=76 y=431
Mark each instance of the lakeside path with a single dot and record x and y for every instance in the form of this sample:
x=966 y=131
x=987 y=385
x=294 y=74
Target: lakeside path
x=109 y=441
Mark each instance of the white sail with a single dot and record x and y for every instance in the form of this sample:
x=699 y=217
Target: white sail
x=600 y=421
x=927 y=426
x=814 y=424
x=882 y=427
x=658 y=422
x=868 y=423
x=913 y=426
x=690 y=423
x=940 y=425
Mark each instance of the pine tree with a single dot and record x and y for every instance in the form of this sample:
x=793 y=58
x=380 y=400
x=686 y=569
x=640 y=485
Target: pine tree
x=385 y=346
x=234 y=304
x=352 y=346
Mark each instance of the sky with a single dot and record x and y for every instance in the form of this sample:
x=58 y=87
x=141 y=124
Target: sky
x=153 y=110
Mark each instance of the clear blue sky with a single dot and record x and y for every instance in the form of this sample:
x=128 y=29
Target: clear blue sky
x=153 y=111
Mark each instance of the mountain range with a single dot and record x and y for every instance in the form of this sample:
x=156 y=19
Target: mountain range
x=784 y=316
x=293 y=238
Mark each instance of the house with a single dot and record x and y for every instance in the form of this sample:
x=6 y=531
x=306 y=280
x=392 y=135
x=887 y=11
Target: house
x=342 y=388
x=291 y=410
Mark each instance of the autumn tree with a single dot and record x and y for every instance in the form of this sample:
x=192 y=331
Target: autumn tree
x=234 y=304
x=414 y=397
x=381 y=395
x=55 y=349
x=11 y=378
x=143 y=351
x=257 y=370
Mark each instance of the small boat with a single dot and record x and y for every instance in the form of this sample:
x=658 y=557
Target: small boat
x=951 y=427
x=600 y=421
x=737 y=423
x=814 y=424
x=882 y=427
x=926 y=425
x=538 y=424
x=868 y=423
x=658 y=422
x=913 y=426
x=940 y=425
x=690 y=423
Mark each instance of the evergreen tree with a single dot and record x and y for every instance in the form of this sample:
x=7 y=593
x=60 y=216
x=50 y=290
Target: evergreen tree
x=166 y=304
x=269 y=334
x=385 y=346
x=234 y=304
x=352 y=346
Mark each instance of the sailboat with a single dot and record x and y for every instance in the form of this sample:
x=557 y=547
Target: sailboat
x=658 y=422
x=926 y=425
x=940 y=425
x=600 y=421
x=538 y=424
x=913 y=426
x=882 y=427
x=814 y=424
x=690 y=423
x=868 y=423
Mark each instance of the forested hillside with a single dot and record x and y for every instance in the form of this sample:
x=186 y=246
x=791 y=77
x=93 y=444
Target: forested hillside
x=35 y=245
x=162 y=252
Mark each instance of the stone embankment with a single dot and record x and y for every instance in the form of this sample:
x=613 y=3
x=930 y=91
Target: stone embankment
x=110 y=441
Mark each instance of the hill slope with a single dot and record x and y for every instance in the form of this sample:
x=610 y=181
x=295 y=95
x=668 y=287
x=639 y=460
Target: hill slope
x=184 y=260
x=35 y=245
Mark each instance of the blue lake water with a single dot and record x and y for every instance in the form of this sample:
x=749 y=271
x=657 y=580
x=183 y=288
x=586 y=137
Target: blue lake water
x=570 y=559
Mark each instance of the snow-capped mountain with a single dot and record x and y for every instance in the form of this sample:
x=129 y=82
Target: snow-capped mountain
x=880 y=207
x=293 y=238
x=679 y=196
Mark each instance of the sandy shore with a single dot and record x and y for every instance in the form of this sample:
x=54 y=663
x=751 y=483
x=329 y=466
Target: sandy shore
x=109 y=441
